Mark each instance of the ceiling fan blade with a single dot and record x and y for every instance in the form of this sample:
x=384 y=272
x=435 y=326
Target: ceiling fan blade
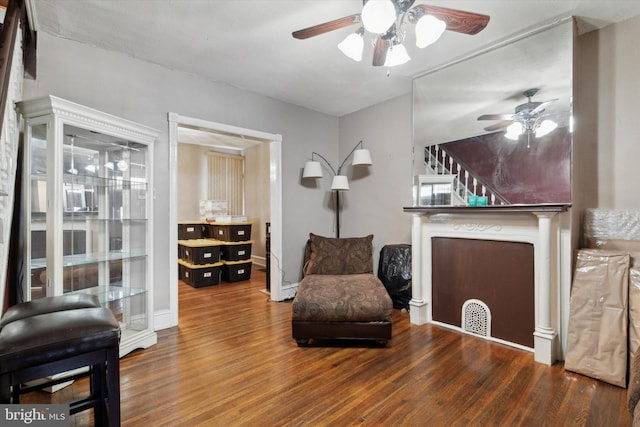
x=380 y=51
x=496 y=117
x=325 y=27
x=542 y=106
x=498 y=126
x=457 y=20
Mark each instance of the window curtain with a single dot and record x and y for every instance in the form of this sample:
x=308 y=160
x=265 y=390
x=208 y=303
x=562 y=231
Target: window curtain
x=226 y=181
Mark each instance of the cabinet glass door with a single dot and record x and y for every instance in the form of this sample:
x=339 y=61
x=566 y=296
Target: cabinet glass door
x=87 y=227
x=38 y=211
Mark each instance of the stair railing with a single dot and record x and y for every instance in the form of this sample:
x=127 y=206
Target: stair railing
x=439 y=162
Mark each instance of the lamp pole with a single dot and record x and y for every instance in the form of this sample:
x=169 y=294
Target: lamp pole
x=312 y=169
x=337 y=214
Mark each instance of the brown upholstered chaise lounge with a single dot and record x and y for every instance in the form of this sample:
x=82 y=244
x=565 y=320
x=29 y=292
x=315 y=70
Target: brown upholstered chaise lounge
x=339 y=296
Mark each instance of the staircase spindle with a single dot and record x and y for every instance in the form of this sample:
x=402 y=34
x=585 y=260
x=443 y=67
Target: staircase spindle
x=466 y=184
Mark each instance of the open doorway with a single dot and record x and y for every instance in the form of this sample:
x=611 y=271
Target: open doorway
x=219 y=135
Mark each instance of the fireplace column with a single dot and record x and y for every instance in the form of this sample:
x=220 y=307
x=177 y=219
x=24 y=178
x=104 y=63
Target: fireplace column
x=544 y=337
x=419 y=310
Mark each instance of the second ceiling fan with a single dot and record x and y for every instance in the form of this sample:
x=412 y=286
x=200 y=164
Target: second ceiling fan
x=528 y=118
x=386 y=19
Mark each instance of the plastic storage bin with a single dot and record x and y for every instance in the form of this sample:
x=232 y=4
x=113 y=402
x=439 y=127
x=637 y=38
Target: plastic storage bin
x=236 y=271
x=236 y=251
x=190 y=230
x=200 y=275
x=200 y=251
x=231 y=232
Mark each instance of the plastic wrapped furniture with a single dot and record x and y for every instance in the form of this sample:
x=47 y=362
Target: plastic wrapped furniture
x=597 y=333
x=394 y=271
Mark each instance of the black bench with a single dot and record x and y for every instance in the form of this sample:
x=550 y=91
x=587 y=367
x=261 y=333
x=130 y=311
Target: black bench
x=41 y=339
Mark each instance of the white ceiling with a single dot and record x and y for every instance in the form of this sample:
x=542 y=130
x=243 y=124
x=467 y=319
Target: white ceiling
x=248 y=43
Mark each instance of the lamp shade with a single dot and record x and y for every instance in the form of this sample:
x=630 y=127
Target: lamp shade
x=361 y=157
x=397 y=55
x=514 y=130
x=428 y=30
x=312 y=169
x=546 y=127
x=340 y=183
x=378 y=15
x=352 y=46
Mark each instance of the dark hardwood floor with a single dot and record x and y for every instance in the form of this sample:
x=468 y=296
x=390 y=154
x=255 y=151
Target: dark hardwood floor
x=232 y=362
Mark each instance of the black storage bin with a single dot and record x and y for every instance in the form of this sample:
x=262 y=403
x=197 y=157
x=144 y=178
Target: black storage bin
x=231 y=232
x=180 y=271
x=394 y=271
x=236 y=271
x=190 y=230
x=200 y=275
x=236 y=251
x=201 y=251
x=180 y=250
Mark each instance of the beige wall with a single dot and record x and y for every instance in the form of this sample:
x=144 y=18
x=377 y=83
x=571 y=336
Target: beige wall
x=192 y=187
x=257 y=195
x=607 y=104
x=192 y=180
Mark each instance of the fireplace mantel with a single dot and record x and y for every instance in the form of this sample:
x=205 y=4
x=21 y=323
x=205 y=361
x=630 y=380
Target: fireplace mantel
x=545 y=226
x=506 y=209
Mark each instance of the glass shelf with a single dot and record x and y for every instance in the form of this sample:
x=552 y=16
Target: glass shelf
x=107 y=182
x=84 y=259
x=111 y=293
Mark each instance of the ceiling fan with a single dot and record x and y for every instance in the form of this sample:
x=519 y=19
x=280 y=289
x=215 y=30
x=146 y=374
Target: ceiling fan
x=528 y=118
x=386 y=19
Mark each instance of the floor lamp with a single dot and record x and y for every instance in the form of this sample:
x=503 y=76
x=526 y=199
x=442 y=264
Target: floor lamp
x=313 y=169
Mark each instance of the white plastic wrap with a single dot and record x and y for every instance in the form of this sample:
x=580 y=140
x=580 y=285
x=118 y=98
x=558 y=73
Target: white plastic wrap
x=598 y=316
x=619 y=230
x=612 y=224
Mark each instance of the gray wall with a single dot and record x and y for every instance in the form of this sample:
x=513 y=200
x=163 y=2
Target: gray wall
x=145 y=93
x=375 y=200
x=607 y=100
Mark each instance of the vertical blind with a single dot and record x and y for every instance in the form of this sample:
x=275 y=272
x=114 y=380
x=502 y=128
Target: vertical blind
x=226 y=180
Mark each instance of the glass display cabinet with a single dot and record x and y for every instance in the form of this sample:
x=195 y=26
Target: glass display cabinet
x=87 y=190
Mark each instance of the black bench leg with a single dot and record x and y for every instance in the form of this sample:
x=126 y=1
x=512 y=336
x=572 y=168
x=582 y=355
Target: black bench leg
x=5 y=388
x=98 y=393
x=113 y=386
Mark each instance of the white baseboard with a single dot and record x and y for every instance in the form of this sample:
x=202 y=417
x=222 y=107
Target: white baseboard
x=259 y=260
x=164 y=319
x=288 y=292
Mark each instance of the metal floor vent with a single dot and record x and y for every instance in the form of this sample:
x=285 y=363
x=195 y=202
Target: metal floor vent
x=476 y=318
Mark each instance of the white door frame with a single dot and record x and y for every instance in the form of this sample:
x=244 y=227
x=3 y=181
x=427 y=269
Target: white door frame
x=275 y=178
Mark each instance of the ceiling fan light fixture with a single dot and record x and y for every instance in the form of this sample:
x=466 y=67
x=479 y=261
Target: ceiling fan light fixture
x=378 y=15
x=397 y=55
x=352 y=46
x=428 y=30
x=514 y=130
x=545 y=128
